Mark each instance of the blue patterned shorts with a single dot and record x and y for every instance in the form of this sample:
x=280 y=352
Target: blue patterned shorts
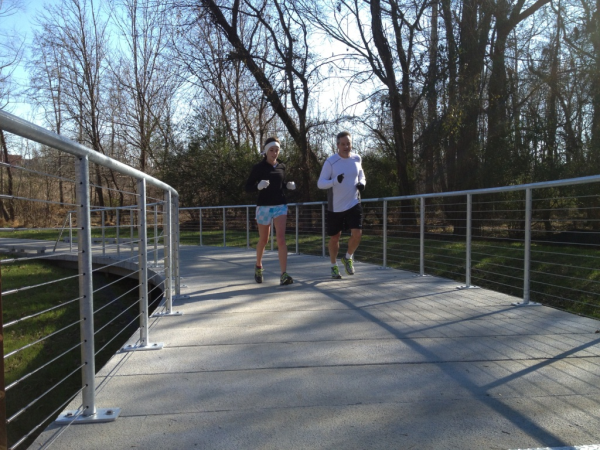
x=264 y=214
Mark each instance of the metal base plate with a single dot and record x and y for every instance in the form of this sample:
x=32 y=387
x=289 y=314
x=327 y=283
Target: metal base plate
x=526 y=304
x=467 y=287
x=135 y=348
x=102 y=415
x=167 y=314
x=178 y=297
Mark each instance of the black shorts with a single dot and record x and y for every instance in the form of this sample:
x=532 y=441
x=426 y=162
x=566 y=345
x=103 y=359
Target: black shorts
x=346 y=220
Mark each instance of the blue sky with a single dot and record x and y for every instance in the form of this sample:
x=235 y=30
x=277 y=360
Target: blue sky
x=23 y=22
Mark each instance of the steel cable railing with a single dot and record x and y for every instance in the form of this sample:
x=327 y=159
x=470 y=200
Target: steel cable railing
x=68 y=240
x=537 y=242
x=45 y=420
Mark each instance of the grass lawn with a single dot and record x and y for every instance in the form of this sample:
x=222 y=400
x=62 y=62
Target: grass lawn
x=562 y=276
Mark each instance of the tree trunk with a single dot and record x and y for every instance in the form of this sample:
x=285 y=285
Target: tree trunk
x=8 y=214
x=396 y=106
x=431 y=140
x=595 y=88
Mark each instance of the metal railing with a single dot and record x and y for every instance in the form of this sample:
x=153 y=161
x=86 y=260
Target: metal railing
x=538 y=242
x=119 y=280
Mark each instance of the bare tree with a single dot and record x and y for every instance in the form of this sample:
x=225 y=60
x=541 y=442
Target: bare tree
x=581 y=32
x=382 y=35
x=431 y=139
x=144 y=72
x=79 y=31
x=45 y=90
x=223 y=84
x=508 y=15
x=292 y=68
x=11 y=51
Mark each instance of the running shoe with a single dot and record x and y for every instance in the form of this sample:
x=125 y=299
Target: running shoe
x=286 y=279
x=258 y=274
x=348 y=265
x=335 y=273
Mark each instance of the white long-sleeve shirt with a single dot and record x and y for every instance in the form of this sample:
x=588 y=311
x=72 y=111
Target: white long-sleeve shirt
x=342 y=196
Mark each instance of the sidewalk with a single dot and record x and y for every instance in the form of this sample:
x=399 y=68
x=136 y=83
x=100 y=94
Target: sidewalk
x=379 y=360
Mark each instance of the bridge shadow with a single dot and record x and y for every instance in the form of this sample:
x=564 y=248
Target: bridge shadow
x=322 y=288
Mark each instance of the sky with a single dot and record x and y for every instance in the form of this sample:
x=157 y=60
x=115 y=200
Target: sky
x=23 y=23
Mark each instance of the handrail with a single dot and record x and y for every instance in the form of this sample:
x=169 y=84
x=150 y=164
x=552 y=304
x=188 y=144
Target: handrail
x=25 y=129
x=496 y=190
x=84 y=256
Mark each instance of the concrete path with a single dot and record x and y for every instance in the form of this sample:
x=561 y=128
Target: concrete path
x=379 y=360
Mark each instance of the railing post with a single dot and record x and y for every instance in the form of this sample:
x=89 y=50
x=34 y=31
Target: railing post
x=323 y=228
x=86 y=288
x=144 y=343
x=103 y=234
x=527 y=255
x=469 y=221
x=297 y=229
x=3 y=425
x=156 y=234
x=131 y=244
x=168 y=258
x=89 y=412
x=385 y=240
x=118 y=233
x=422 y=238
x=200 y=220
x=248 y=227
x=143 y=263
x=70 y=232
x=527 y=252
x=168 y=251
x=224 y=227
x=176 y=244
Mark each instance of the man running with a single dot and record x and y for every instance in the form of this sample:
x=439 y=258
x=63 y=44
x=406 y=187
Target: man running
x=343 y=177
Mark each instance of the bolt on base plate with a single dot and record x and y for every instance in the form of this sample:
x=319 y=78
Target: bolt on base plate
x=135 y=348
x=526 y=304
x=464 y=286
x=166 y=314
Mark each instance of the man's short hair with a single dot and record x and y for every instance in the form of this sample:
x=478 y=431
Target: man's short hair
x=343 y=134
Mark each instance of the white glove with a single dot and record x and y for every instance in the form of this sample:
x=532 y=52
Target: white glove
x=263 y=184
x=291 y=185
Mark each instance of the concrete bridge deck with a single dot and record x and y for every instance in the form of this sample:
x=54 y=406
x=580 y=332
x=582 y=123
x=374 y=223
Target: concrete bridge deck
x=380 y=360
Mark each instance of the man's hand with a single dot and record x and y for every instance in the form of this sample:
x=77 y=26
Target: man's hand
x=263 y=184
x=340 y=178
x=360 y=187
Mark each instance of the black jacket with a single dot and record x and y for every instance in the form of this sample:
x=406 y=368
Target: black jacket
x=273 y=194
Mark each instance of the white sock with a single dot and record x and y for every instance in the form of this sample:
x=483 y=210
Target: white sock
x=349 y=256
